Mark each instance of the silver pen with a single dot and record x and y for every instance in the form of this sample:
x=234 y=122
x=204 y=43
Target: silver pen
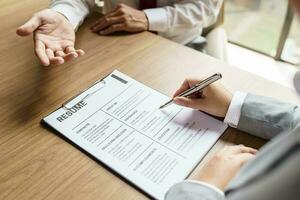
x=196 y=88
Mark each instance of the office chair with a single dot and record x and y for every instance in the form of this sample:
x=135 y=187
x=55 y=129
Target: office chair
x=216 y=38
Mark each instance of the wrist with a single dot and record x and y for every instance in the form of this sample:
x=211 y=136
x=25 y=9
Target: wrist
x=145 y=21
x=233 y=114
x=157 y=19
x=62 y=16
x=227 y=103
x=63 y=20
x=212 y=181
x=68 y=14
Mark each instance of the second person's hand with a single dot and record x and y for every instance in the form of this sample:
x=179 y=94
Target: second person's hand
x=53 y=35
x=214 y=99
x=221 y=169
x=123 y=18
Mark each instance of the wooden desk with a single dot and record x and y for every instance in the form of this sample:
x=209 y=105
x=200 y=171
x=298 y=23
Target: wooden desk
x=34 y=162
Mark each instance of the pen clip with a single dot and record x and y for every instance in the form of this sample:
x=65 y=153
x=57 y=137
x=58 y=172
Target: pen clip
x=201 y=85
x=209 y=80
x=196 y=88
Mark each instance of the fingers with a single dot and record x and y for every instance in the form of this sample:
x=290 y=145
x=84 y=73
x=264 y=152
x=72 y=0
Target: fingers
x=240 y=149
x=30 y=26
x=106 y=22
x=190 y=103
x=50 y=53
x=46 y=56
x=104 y=18
x=245 y=157
x=243 y=149
x=113 y=28
x=59 y=54
x=248 y=150
x=187 y=83
x=71 y=53
x=52 y=58
x=112 y=22
x=68 y=54
x=240 y=153
x=115 y=13
x=80 y=52
x=40 y=52
x=184 y=86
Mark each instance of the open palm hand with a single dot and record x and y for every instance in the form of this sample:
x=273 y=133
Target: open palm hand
x=53 y=36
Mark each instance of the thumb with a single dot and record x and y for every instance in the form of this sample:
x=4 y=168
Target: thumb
x=188 y=102
x=30 y=26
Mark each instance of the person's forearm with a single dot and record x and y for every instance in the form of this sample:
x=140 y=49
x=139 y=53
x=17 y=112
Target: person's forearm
x=74 y=10
x=267 y=117
x=262 y=116
x=183 y=15
x=192 y=190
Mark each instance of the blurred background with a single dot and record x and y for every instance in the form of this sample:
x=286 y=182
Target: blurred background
x=264 y=31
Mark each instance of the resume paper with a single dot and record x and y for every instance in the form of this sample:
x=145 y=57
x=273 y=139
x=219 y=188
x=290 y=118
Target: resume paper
x=118 y=121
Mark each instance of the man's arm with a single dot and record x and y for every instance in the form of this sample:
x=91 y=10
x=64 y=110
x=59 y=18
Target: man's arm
x=169 y=20
x=258 y=115
x=214 y=176
x=53 y=30
x=266 y=117
x=194 y=190
x=74 y=10
x=184 y=15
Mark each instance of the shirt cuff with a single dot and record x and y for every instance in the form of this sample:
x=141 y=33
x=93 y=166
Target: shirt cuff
x=192 y=190
x=70 y=13
x=158 y=19
x=233 y=114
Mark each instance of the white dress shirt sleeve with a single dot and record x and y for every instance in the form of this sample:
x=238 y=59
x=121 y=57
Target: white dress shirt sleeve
x=194 y=190
x=185 y=14
x=74 y=10
x=234 y=112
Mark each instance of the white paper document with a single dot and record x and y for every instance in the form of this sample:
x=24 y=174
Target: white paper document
x=118 y=122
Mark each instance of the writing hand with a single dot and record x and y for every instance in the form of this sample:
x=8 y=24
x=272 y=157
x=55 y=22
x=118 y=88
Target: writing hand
x=214 y=99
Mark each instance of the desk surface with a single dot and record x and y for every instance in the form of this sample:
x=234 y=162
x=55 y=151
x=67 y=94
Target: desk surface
x=34 y=162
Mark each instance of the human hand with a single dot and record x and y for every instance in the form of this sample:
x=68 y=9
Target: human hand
x=220 y=170
x=214 y=99
x=123 y=18
x=53 y=36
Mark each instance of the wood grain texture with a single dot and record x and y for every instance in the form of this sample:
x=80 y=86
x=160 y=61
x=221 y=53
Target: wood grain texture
x=37 y=164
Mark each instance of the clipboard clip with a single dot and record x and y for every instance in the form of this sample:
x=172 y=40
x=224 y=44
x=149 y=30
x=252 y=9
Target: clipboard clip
x=66 y=106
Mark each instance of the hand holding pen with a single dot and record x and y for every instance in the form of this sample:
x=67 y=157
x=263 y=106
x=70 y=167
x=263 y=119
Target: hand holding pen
x=213 y=98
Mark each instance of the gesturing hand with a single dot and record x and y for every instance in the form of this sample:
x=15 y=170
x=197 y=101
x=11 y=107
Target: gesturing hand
x=220 y=170
x=123 y=18
x=214 y=99
x=53 y=37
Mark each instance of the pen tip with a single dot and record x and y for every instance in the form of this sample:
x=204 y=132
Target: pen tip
x=161 y=107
